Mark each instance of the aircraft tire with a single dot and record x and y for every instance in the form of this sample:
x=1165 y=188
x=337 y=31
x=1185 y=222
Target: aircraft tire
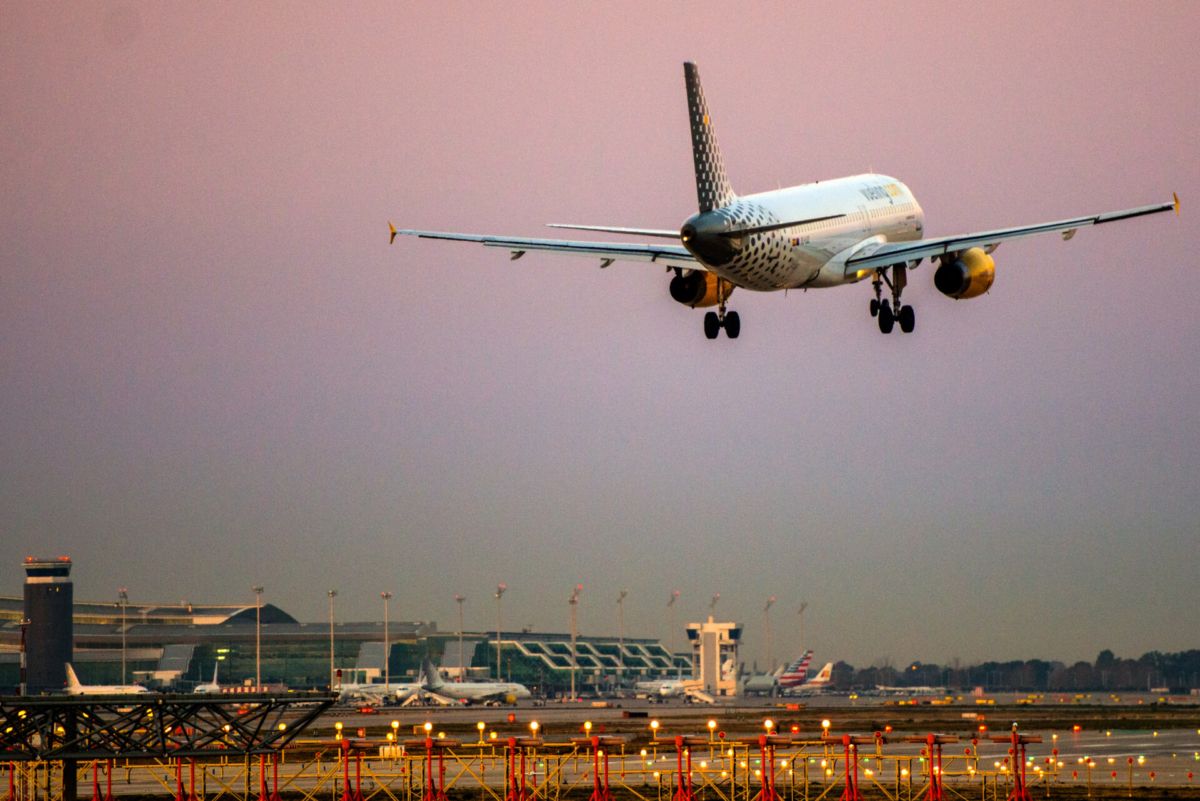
x=733 y=325
x=908 y=319
x=886 y=319
x=874 y=307
x=712 y=325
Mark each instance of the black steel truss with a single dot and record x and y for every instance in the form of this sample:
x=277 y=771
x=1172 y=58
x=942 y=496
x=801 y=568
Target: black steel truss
x=157 y=727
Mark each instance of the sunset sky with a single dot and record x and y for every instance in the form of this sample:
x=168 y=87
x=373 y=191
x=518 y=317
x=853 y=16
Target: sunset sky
x=215 y=372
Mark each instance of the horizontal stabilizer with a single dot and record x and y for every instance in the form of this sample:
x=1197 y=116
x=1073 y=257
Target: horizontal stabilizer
x=608 y=229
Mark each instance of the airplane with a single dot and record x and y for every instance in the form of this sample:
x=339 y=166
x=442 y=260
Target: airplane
x=403 y=693
x=795 y=673
x=823 y=234
x=212 y=688
x=75 y=688
x=817 y=684
x=763 y=683
x=470 y=692
x=883 y=689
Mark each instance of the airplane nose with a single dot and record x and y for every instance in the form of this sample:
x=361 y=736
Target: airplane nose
x=703 y=235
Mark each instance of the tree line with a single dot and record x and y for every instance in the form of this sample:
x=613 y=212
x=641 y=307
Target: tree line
x=1178 y=672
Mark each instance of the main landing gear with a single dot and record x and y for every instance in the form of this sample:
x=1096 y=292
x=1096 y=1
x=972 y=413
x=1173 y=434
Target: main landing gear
x=715 y=321
x=890 y=313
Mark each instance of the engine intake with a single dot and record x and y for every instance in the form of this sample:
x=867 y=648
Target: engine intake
x=969 y=275
x=699 y=288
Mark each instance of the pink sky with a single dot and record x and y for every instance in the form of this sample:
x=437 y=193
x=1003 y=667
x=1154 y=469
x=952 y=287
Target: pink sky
x=214 y=372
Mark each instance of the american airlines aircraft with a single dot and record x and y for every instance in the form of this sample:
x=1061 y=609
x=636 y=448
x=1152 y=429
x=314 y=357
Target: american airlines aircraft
x=817 y=235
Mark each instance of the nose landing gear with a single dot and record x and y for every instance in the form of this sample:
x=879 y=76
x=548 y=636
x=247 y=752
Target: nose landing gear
x=888 y=314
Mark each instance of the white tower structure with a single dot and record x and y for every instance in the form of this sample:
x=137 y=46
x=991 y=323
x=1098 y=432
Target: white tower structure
x=715 y=650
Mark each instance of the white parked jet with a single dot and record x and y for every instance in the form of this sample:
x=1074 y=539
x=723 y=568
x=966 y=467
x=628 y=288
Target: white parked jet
x=471 y=692
x=75 y=688
x=824 y=234
x=213 y=687
x=817 y=684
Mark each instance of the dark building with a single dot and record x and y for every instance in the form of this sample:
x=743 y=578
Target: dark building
x=49 y=638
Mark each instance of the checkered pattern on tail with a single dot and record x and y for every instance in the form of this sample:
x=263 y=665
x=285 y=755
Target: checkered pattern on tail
x=712 y=186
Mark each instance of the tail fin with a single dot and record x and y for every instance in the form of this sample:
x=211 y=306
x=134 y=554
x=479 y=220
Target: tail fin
x=433 y=678
x=215 y=666
x=712 y=185
x=72 y=679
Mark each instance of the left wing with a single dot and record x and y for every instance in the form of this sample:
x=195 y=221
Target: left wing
x=889 y=253
x=607 y=252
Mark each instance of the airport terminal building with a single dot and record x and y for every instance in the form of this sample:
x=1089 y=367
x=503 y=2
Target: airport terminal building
x=175 y=646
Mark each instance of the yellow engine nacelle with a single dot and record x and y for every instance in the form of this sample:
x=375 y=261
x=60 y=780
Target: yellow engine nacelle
x=700 y=288
x=968 y=275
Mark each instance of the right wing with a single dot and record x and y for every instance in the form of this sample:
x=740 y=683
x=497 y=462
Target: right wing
x=607 y=252
x=889 y=253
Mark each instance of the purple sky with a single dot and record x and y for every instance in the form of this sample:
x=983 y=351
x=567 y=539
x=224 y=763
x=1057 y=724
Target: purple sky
x=214 y=372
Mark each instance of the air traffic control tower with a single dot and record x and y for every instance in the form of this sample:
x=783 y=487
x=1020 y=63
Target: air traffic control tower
x=49 y=603
x=715 y=650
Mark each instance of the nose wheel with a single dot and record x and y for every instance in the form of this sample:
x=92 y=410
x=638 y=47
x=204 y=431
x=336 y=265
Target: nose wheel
x=889 y=313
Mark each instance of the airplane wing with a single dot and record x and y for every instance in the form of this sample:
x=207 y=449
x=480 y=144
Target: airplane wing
x=607 y=252
x=889 y=253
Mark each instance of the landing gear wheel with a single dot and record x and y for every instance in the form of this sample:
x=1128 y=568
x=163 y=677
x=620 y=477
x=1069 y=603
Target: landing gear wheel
x=874 y=307
x=886 y=319
x=907 y=319
x=733 y=325
x=712 y=325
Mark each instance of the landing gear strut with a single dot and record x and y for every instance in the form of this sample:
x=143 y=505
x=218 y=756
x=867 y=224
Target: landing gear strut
x=715 y=321
x=894 y=312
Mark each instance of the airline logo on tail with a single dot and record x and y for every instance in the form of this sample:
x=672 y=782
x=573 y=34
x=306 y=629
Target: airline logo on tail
x=795 y=673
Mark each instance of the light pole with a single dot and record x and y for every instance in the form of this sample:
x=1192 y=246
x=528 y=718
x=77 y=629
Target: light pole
x=332 y=671
x=462 y=668
x=387 y=645
x=671 y=623
x=500 y=588
x=123 y=595
x=258 y=591
x=767 y=629
x=621 y=637
x=574 y=603
x=712 y=605
x=803 y=606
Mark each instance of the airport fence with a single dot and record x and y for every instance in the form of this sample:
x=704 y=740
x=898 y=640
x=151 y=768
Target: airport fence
x=766 y=768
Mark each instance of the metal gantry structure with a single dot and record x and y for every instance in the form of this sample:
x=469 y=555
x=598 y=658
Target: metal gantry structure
x=70 y=730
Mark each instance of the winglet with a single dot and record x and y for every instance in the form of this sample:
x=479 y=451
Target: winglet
x=1176 y=203
x=391 y=228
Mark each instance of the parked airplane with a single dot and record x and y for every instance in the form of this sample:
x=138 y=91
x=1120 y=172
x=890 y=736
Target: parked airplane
x=817 y=684
x=402 y=693
x=882 y=689
x=75 y=688
x=795 y=674
x=212 y=688
x=470 y=692
x=823 y=234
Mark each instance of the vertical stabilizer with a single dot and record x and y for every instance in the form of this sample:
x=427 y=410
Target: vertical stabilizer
x=712 y=185
x=433 y=677
x=72 y=679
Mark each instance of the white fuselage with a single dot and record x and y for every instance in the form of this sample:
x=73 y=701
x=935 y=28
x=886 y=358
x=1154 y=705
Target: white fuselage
x=874 y=208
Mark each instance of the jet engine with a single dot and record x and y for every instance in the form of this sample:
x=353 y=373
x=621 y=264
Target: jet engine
x=699 y=288
x=965 y=275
